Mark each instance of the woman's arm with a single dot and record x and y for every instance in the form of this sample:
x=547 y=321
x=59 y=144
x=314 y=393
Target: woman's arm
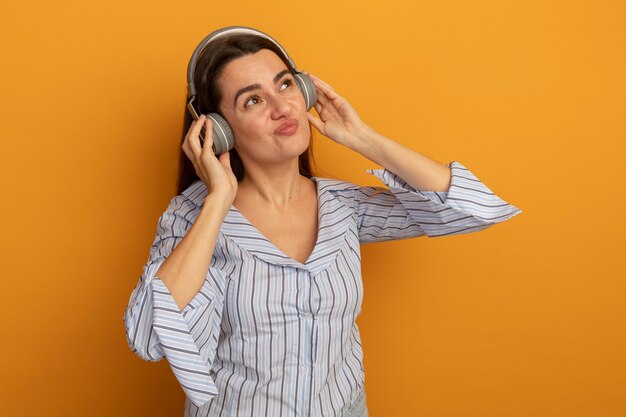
x=424 y=197
x=157 y=327
x=340 y=122
x=418 y=170
x=184 y=271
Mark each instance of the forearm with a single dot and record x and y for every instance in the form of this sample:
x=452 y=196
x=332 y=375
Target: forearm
x=183 y=272
x=418 y=170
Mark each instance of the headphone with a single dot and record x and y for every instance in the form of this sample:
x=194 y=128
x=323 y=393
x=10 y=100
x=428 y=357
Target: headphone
x=223 y=138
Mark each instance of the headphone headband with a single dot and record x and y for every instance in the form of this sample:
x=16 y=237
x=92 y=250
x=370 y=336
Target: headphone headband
x=191 y=67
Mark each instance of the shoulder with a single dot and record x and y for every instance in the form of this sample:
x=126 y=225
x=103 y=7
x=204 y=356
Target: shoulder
x=186 y=205
x=331 y=184
x=195 y=193
x=334 y=192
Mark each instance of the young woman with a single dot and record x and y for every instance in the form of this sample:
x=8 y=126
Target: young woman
x=253 y=283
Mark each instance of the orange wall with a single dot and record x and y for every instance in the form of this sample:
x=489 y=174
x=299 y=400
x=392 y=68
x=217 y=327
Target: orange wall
x=524 y=319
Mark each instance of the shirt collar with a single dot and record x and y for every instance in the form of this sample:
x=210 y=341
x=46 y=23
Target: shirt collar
x=334 y=218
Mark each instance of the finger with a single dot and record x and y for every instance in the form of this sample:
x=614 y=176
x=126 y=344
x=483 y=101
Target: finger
x=317 y=123
x=208 y=135
x=325 y=107
x=324 y=87
x=193 y=123
x=198 y=146
x=225 y=161
x=186 y=149
x=196 y=125
x=192 y=136
x=320 y=81
x=192 y=158
x=208 y=161
x=326 y=96
x=319 y=107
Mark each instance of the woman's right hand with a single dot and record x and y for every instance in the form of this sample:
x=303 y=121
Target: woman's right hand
x=215 y=172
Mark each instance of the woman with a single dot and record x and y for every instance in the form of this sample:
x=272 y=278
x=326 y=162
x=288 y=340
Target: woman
x=253 y=284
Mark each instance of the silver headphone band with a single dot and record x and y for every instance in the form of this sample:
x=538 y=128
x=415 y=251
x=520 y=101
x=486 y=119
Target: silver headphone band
x=191 y=67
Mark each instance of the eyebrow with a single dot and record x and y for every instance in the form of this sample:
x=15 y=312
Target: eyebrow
x=253 y=87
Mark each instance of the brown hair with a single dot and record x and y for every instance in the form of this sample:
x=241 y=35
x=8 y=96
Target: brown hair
x=210 y=65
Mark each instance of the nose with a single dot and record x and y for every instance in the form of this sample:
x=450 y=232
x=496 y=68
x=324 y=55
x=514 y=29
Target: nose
x=280 y=106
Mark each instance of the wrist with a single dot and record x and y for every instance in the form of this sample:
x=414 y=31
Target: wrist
x=368 y=143
x=218 y=200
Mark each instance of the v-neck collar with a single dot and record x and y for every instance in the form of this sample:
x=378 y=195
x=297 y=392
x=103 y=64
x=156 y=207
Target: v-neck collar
x=333 y=218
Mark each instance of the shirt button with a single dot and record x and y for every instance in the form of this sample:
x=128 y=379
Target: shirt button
x=304 y=368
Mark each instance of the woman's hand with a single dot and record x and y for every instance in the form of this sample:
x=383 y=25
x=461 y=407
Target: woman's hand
x=215 y=172
x=338 y=119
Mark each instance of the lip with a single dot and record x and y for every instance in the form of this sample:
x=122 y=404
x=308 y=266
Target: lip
x=288 y=128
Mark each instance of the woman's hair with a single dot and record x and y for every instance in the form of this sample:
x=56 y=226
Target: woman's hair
x=210 y=65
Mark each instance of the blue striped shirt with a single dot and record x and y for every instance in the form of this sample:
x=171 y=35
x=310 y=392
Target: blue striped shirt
x=267 y=335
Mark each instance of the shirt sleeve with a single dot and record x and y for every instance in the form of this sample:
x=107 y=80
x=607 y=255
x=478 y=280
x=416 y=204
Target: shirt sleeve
x=157 y=328
x=402 y=211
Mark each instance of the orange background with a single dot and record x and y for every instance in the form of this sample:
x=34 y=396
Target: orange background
x=523 y=319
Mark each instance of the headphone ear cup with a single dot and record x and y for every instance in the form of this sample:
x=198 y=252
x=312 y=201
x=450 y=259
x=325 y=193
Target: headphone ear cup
x=223 y=138
x=305 y=84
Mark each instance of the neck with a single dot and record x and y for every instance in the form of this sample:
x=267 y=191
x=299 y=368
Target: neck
x=278 y=185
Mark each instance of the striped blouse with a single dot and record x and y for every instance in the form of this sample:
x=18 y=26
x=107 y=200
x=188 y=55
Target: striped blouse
x=267 y=335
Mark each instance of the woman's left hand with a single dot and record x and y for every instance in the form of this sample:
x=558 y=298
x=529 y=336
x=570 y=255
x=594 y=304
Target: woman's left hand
x=338 y=119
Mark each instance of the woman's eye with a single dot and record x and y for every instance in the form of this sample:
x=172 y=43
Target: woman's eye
x=286 y=84
x=252 y=100
x=256 y=99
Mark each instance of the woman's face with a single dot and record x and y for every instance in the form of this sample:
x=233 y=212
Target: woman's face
x=264 y=108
